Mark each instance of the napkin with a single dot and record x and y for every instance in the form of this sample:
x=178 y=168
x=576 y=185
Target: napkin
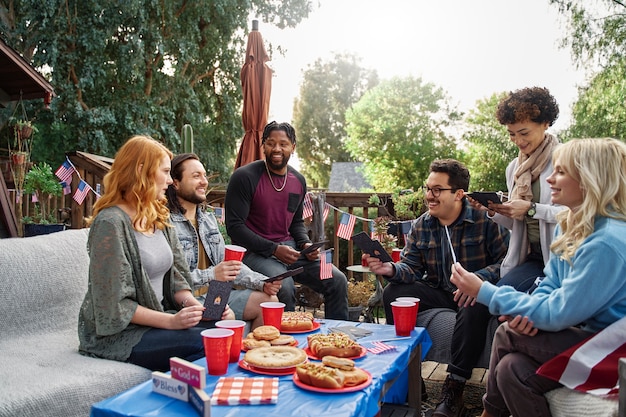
x=245 y=391
x=352 y=331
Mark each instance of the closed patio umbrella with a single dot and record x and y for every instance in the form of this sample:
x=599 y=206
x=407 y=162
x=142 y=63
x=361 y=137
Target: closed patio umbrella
x=256 y=85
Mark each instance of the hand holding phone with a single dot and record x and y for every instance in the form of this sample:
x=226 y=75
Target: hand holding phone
x=313 y=247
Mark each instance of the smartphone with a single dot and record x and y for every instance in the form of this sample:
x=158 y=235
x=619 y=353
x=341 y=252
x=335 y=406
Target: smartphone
x=484 y=197
x=313 y=247
x=372 y=247
x=286 y=274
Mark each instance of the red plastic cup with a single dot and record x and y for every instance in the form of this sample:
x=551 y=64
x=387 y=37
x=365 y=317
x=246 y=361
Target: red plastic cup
x=217 y=349
x=273 y=313
x=234 y=253
x=237 y=326
x=403 y=317
x=415 y=309
x=395 y=254
x=363 y=261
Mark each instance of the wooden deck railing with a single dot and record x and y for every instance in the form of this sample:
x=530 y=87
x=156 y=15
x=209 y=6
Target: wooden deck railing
x=356 y=204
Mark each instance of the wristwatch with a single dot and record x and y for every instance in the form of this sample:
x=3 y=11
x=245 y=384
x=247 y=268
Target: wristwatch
x=532 y=210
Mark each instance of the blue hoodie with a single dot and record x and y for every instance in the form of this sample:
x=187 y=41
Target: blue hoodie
x=591 y=291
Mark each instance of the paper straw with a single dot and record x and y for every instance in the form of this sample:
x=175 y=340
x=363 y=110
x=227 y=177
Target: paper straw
x=450 y=242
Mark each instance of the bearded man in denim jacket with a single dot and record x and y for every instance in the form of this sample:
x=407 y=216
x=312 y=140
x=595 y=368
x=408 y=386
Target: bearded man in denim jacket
x=203 y=244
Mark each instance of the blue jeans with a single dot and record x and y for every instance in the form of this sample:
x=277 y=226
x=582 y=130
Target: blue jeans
x=334 y=290
x=157 y=346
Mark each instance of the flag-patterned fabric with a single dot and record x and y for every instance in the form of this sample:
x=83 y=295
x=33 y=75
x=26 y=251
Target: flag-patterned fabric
x=591 y=366
x=65 y=171
x=326 y=211
x=81 y=192
x=326 y=264
x=245 y=391
x=307 y=207
x=67 y=188
x=346 y=225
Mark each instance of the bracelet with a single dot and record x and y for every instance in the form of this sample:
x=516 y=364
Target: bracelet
x=185 y=300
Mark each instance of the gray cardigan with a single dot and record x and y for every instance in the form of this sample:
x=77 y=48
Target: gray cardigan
x=546 y=214
x=118 y=284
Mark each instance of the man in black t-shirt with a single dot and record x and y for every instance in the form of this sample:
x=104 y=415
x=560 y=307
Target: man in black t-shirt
x=264 y=202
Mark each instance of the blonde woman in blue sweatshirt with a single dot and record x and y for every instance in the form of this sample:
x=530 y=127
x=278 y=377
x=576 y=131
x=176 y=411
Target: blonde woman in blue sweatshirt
x=584 y=289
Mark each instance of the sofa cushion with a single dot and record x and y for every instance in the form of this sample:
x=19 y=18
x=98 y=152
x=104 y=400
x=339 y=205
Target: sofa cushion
x=565 y=402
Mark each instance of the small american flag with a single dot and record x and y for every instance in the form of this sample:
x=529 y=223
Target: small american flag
x=65 y=171
x=326 y=211
x=66 y=187
x=372 y=232
x=219 y=213
x=346 y=225
x=307 y=207
x=326 y=264
x=81 y=192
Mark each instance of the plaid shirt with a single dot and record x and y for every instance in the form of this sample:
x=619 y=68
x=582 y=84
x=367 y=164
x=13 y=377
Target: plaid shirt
x=479 y=245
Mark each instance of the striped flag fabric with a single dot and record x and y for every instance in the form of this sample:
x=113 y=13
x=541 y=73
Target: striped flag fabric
x=346 y=225
x=81 y=192
x=67 y=189
x=326 y=211
x=307 y=207
x=65 y=171
x=372 y=232
x=591 y=366
x=326 y=264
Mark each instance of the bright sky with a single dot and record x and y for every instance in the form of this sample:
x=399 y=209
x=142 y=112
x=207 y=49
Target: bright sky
x=470 y=48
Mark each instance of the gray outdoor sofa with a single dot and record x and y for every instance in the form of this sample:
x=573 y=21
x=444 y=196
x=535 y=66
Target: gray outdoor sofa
x=44 y=279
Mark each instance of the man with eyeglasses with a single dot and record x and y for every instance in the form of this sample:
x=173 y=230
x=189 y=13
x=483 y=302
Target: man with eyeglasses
x=450 y=231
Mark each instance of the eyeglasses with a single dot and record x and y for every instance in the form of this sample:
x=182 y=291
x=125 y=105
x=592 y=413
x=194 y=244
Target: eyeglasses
x=436 y=191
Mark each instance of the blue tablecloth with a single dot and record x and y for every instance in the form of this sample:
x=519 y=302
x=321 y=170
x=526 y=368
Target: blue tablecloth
x=140 y=401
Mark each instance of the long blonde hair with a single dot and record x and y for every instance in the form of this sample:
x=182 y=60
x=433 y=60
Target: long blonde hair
x=131 y=180
x=599 y=166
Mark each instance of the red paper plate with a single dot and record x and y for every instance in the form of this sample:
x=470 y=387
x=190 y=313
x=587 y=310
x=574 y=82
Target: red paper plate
x=316 y=326
x=267 y=371
x=311 y=355
x=295 y=343
x=359 y=387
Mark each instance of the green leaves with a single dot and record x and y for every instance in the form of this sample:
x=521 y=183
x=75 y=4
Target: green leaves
x=397 y=129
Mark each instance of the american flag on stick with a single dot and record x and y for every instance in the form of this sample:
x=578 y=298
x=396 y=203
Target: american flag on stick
x=326 y=264
x=326 y=211
x=346 y=225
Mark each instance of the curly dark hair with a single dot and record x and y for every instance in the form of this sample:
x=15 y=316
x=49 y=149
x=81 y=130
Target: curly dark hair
x=284 y=126
x=534 y=103
x=458 y=173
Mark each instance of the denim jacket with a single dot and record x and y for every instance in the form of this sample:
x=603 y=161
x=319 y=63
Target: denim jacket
x=214 y=246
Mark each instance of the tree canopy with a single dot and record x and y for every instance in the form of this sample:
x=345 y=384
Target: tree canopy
x=397 y=129
x=141 y=67
x=328 y=89
x=489 y=149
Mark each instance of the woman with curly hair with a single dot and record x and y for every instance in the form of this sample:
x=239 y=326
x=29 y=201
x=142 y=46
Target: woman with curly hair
x=138 y=307
x=581 y=293
x=528 y=213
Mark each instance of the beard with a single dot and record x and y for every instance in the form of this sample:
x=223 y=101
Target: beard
x=191 y=196
x=276 y=167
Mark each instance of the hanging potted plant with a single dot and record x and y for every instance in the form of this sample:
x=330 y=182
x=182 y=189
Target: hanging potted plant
x=41 y=181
